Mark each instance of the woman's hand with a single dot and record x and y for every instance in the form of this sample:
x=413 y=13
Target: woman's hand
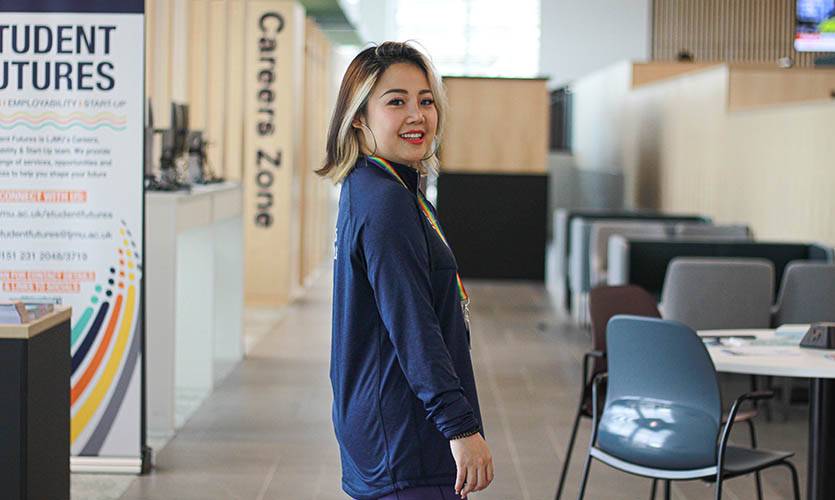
x=474 y=463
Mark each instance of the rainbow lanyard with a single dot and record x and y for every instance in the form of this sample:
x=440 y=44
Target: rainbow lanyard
x=424 y=206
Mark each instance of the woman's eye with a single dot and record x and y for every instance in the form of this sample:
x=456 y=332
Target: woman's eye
x=427 y=102
x=397 y=101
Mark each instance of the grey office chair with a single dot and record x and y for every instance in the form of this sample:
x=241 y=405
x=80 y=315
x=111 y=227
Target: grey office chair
x=662 y=413
x=807 y=295
x=710 y=292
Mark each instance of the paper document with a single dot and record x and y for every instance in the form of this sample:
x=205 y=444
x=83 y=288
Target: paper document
x=761 y=351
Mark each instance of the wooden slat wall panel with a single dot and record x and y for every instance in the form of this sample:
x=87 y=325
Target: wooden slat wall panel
x=195 y=54
x=234 y=119
x=727 y=30
x=216 y=86
x=198 y=54
x=314 y=190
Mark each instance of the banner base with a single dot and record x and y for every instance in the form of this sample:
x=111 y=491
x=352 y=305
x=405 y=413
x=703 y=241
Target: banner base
x=106 y=465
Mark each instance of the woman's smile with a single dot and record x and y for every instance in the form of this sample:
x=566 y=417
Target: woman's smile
x=413 y=136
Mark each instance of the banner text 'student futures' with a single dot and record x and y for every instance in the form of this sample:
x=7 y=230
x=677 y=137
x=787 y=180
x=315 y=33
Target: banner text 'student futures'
x=23 y=47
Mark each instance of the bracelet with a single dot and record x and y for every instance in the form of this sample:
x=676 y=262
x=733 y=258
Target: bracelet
x=472 y=432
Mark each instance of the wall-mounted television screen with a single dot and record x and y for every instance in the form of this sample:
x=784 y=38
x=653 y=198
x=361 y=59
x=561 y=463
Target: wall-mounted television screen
x=815 y=26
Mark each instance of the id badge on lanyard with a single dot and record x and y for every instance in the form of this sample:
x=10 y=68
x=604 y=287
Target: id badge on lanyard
x=465 y=309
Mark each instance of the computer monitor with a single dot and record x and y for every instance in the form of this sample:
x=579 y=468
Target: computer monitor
x=179 y=125
x=815 y=26
x=149 y=140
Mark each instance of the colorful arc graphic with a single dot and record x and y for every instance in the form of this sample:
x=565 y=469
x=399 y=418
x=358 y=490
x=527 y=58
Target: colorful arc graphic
x=102 y=352
x=85 y=413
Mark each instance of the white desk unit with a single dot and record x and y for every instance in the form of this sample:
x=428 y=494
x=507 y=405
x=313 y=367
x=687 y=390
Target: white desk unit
x=765 y=356
x=194 y=297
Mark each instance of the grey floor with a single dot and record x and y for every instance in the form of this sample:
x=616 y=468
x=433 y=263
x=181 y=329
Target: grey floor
x=265 y=432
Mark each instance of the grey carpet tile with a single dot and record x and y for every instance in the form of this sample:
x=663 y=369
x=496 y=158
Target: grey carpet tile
x=265 y=432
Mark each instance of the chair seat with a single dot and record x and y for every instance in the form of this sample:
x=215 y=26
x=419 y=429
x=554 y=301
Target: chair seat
x=739 y=460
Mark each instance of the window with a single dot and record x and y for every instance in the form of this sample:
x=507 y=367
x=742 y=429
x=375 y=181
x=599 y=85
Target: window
x=474 y=37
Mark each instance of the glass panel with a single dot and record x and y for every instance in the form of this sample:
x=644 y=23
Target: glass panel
x=474 y=37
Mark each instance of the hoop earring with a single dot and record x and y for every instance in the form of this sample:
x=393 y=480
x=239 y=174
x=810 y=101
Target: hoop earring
x=434 y=150
x=372 y=136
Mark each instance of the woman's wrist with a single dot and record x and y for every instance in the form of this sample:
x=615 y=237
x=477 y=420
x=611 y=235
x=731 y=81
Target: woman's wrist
x=472 y=432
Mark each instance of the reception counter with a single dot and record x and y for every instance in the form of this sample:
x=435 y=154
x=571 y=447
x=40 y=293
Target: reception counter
x=194 y=297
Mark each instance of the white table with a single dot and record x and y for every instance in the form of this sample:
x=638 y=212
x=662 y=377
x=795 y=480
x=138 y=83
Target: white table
x=194 y=297
x=755 y=358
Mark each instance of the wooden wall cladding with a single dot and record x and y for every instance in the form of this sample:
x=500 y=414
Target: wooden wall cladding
x=204 y=53
x=314 y=190
x=757 y=87
x=727 y=30
x=496 y=125
x=233 y=123
x=646 y=73
x=683 y=150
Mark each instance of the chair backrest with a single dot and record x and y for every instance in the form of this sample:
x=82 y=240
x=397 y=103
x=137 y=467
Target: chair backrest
x=608 y=301
x=807 y=293
x=731 y=232
x=599 y=242
x=663 y=406
x=709 y=293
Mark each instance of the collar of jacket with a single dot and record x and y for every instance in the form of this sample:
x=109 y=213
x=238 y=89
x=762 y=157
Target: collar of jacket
x=409 y=174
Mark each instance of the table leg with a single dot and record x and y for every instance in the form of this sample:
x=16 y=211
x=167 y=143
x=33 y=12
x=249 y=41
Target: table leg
x=820 y=480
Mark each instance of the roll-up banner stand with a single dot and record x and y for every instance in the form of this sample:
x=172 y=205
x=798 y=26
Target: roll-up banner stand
x=71 y=203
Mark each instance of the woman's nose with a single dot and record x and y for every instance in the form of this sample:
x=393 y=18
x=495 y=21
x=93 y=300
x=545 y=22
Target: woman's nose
x=415 y=113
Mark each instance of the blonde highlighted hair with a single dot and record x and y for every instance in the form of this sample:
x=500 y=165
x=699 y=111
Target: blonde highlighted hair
x=343 y=142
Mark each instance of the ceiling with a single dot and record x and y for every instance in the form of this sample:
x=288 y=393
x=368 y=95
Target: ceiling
x=330 y=17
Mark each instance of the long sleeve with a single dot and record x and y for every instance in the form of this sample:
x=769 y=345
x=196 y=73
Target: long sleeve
x=393 y=241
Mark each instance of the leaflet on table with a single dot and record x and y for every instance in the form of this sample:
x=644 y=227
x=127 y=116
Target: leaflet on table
x=761 y=351
x=792 y=330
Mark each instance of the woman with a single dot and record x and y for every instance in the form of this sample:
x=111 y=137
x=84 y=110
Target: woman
x=405 y=406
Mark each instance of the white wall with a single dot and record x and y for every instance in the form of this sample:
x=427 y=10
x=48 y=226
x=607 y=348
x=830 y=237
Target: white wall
x=581 y=36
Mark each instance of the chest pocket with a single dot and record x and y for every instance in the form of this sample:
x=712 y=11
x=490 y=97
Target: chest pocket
x=440 y=256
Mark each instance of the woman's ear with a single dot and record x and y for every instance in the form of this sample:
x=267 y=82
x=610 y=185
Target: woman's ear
x=357 y=122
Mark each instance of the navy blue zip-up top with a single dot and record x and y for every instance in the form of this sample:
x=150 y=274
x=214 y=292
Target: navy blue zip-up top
x=401 y=372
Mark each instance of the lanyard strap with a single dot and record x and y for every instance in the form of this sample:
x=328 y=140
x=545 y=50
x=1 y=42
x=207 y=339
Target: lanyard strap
x=424 y=206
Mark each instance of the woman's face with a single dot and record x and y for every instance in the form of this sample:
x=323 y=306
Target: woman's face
x=401 y=115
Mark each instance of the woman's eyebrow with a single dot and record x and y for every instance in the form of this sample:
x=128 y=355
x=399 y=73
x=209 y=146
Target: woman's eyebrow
x=394 y=91
x=403 y=91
